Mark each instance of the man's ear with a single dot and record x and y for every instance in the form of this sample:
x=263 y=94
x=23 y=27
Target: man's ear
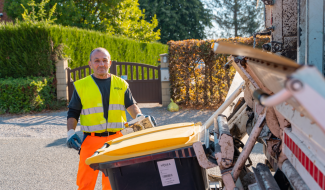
x=89 y=63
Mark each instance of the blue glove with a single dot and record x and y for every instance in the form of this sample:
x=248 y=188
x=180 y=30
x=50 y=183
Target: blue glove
x=73 y=140
x=152 y=119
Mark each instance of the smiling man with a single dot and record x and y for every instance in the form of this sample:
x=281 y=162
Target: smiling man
x=100 y=101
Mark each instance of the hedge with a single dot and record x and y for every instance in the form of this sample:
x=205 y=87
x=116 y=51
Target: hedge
x=196 y=86
x=32 y=49
x=22 y=95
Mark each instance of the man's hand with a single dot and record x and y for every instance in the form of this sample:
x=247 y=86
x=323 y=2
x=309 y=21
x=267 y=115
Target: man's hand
x=73 y=140
x=152 y=119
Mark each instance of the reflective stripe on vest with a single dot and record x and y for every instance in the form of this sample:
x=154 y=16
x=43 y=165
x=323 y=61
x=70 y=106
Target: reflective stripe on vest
x=116 y=107
x=92 y=110
x=101 y=109
x=92 y=113
x=101 y=127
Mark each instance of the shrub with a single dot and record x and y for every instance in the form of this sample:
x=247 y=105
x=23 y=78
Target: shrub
x=79 y=43
x=192 y=85
x=25 y=51
x=23 y=95
x=32 y=49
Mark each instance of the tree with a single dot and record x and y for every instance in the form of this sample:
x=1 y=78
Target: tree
x=95 y=14
x=237 y=17
x=40 y=15
x=127 y=19
x=178 y=19
x=79 y=13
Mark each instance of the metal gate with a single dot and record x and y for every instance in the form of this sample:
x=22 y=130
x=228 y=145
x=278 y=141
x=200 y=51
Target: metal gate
x=144 y=80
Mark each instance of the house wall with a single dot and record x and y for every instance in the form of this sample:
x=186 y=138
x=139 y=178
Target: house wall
x=5 y=16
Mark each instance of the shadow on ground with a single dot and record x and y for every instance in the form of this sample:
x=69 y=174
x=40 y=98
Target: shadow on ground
x=58 y=142
x=63 y=141
x=27 y=121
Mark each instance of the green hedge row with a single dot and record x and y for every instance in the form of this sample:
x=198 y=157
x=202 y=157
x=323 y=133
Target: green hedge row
x=24 y=51
x=32 y=49
x=22 y=95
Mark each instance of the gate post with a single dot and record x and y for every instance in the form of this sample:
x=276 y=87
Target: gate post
x=62 y=79
x=165 y=84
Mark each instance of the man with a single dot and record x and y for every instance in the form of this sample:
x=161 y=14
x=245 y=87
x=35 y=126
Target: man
x=100 y=101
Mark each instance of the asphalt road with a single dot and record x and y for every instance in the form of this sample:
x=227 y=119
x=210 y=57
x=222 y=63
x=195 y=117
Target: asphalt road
x=36 y=163
x=34 y=155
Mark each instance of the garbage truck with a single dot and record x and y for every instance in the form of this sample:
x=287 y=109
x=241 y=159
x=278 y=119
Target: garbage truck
x=277 y=98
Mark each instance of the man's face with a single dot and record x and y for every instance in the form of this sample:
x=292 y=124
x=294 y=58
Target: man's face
x=100 y=63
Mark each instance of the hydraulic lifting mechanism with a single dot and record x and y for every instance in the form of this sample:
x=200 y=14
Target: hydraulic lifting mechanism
x=277 y=98
x=278 y=103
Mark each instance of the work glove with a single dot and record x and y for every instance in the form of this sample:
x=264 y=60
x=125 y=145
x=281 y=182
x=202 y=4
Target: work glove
x=73 y=140
x=152 y=119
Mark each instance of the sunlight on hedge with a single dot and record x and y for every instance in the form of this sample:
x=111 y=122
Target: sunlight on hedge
x=197 y=75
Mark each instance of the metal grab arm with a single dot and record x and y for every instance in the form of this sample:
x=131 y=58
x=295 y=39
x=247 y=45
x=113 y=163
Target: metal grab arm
x=201 y=157
x=204 y=129
x=249 y=145
x=311 y=101
x=273 y=100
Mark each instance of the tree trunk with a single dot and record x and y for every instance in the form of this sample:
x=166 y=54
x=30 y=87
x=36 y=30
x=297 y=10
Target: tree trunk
x=235 y=18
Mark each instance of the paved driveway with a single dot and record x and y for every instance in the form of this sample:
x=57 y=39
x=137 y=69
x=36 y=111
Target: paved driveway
x=34 y=155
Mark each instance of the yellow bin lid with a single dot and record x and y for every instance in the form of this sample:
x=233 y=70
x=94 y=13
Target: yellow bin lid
x=148 y=141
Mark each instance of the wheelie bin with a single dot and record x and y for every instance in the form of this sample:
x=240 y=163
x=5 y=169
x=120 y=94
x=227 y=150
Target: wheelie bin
x=160 y=158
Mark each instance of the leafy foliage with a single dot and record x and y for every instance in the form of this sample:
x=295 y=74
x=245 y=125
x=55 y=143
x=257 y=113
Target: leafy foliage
x=118 y=17
x=23 y=95
x=238 y=17
x=32 y=49
x=178 y=19
x=79 y=13
x=25 y=51
x=33 y=17
x=128 y=20
x=195 y=84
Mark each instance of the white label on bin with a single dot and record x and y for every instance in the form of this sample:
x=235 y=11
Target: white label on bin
x=168 y=172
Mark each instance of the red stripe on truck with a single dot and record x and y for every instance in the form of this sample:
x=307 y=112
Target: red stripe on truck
x=312 y=169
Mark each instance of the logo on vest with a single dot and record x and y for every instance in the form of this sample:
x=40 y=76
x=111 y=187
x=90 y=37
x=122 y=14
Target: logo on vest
x=117 y=88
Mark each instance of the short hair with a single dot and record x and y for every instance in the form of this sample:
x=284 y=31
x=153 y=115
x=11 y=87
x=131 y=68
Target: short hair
x=100 y=49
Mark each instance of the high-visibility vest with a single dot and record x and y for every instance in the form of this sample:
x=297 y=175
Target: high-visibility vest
x=92 y=114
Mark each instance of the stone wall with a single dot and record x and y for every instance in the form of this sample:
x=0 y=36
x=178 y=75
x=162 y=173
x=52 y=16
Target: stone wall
x=62 y=80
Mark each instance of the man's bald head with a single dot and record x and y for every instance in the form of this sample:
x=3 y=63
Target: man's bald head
x=100 y=49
